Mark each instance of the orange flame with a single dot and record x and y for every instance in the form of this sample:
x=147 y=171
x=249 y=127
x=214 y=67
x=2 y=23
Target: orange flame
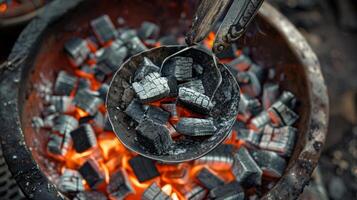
x=3 y=7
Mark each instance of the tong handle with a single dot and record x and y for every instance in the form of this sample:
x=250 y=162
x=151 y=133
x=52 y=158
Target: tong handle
x=235 y=23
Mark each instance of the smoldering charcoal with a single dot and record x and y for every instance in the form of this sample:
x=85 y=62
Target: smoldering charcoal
x=177 y=103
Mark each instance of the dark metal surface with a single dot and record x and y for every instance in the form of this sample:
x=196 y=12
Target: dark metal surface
x=224 y=113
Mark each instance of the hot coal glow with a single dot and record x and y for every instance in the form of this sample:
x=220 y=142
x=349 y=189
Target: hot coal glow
x=82 y=144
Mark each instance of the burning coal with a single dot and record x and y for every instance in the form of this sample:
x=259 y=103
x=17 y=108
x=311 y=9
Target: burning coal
x=91 y=161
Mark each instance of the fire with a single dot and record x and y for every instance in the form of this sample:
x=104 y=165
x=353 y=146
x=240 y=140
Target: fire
x=208 y=42
x=3 y=7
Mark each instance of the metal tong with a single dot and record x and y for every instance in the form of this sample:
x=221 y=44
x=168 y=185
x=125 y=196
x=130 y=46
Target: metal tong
x=237 y=16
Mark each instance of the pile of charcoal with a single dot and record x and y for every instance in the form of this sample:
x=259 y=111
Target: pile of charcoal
x=177 y=84
x=93 y=164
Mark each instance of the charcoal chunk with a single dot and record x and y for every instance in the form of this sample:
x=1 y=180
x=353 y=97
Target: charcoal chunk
x=196 y=127
x=111 y=59
x=198 y=102
x=87 y=101
x=119 y=185
x=171 y=108
x=77 y=50
x=154 y=192
x=83 y=138
x=148 y=30
x=196 y=193
x=135 y=110
x=195 y=85
x=90 y=195
x=103 y=29
x=260 y=120
x=198 y=68
x=65 y=83
x=270 y=162
x=208 y=180
x=71 y=181
x=92 y=173
x=62 y=104
x=282 y=115
x=220 y=158
x=245 y=169
x=145 y=68
x=250 y=137
x=283 y=140
x=270 y=94
x=179 y=67
x=144 y=168
x=152 y=88
x=231 y=190
x=157 y=115
x=58 y=146
x=153 y=136
x=172 y=82
x=250 y=83
x=64 y=124
x=103 y=90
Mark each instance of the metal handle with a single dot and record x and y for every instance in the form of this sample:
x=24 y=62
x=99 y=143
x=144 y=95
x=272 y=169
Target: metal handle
x=235 y=23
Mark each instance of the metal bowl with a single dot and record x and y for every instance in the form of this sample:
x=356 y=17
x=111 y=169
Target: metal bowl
x=224 y=112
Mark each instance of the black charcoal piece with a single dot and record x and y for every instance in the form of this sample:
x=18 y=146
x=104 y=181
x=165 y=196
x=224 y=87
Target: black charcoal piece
x=90 y=195
x=208 y=180
x=64 y=84
x=283 y=140
x=64 y=124
x=83 y=138
x=58 y=146
x=282 y=114
x=62 y=104
x=168 y=40
x=119 y=185
x=148 y=30
x=231 y=190
x=196 y=193
x=92 y=173
x=77 y=50
x=179 y=67
x=171 y=108
x=135 y=110
x=250 y=83
x=267 y=132
x=103 y=90
x=260 y=120
x=49 y=121
x=172 y=82
x=144 y=168
x=154 y=192
x=196 y=127
x=249 y=136
x=157 y=115
x=288 y=99
x=257 y=70
x=245 y=169
x=145 y=68
x=198 y=68
x=219 y=159
x=195 y=85
x=83 y=84
x=153 y=136
x=87 y=101
x=198 y=102
x=249 y=105
x=103 y=29
x=270 y=94
x=111 y=59
x=37 y=123
x=270 y=162
x=152 y=88
x=237 y=64
x=70 y=181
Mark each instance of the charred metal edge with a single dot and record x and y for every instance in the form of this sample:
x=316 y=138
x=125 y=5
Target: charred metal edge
x=24 y=168
x=297 y=176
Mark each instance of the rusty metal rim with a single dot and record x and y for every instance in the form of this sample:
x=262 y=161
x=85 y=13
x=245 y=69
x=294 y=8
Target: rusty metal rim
x=26 y=170
x=292 y=184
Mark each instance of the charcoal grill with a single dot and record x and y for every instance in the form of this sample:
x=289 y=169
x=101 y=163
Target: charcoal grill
x=40 y=44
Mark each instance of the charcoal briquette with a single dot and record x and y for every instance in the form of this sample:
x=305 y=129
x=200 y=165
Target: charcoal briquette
x=144 y=168
x=58 y=146
x=196 y=193
x=153 y=136
x=250 y=137
x=62 y=104
x=220 y=158
x=171 y=108
x=111 y=59
x=92 y=173
x=148 y=30
x=270 y=94
x=87 y=101
x=282 y=115
x=145 y=68
x=179 y=67
x=135 y=110
x=208 y=179
x=270 y=162
x=198 y=102
x=154 y=192
x=64 y=124
x=172 y=82
x=231 y=190
x=157 y=115
x=195 y=85
x=77 y=50
x=103 y=90
x=64 y=84
x=90 y=195
x=103 y=29
x=196 y=127
x=119 y=185
x=245 y=169
x=71 y=181
x=260 y=120
x=83 y=138
x=152 y=88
